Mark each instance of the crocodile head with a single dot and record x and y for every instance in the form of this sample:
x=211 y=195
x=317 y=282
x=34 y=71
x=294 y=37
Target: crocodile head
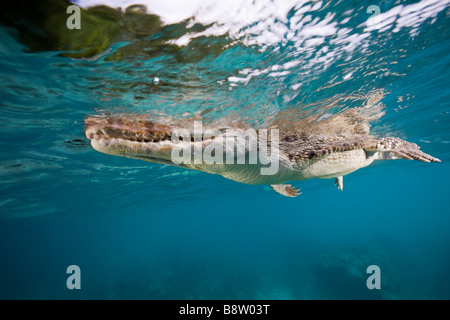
x=130 y=137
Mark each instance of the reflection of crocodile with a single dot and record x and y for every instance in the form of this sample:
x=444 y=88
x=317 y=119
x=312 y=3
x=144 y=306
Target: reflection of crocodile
x=301 y=157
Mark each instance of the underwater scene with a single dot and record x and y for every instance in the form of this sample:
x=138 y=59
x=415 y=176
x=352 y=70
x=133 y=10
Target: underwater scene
x=106 y=104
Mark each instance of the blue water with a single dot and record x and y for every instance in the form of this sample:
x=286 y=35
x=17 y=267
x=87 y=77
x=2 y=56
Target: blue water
x=139 y=230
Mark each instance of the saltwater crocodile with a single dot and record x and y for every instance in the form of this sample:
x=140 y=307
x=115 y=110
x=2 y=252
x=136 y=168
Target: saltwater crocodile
x=315 y=151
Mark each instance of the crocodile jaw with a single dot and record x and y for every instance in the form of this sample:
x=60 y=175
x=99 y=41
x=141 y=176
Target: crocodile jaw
x=143 y=140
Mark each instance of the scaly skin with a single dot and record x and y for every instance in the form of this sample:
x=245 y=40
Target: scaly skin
x=301 y=156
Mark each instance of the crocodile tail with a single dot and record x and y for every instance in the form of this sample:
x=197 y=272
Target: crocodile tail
x=395 y=148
